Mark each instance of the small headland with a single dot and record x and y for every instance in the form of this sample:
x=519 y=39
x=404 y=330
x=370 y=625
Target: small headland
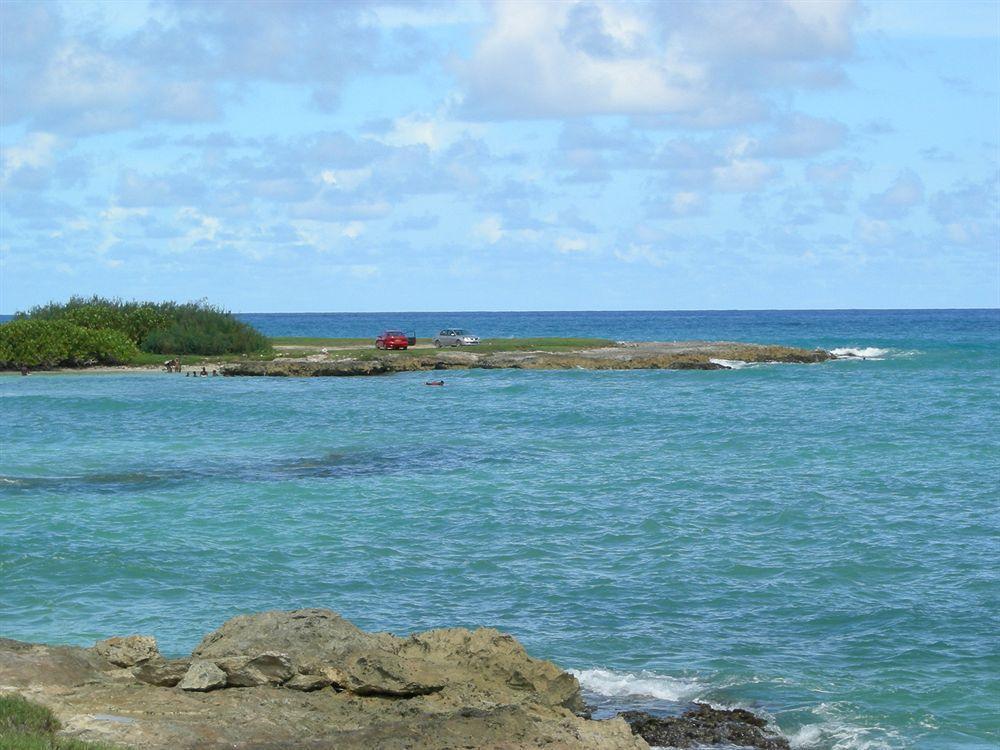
x=533 y=354
x=111 y=335
x=311 y=679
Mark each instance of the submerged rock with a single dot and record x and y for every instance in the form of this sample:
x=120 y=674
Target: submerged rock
x=704 y=725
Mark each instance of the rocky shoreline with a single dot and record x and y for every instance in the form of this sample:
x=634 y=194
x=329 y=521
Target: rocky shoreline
x=647 y=355
x=311 y=679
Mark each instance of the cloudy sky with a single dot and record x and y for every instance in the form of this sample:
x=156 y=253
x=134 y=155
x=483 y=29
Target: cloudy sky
x=322 y=156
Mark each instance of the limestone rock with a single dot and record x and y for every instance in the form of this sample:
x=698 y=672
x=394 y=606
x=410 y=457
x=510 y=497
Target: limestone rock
x=308 y=682
x=202 y=676
x=379 y=672
x=487 y=693
x=269 y=668
x=306 y=636
x=127 y=651
x=493 y=665
x=162 y=672
x=704 y=725
x=635 y=355
x=30 y=665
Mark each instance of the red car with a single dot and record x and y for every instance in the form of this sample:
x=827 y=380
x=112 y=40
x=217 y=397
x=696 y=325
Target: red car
x=392 y=340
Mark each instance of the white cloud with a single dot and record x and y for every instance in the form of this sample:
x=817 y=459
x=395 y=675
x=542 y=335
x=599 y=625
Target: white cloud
x=898 y=199
x=705 y=61
x=743 y=175
x=202 y=228
x=115 y=214
x=437 y=131
x=345 y=179
x=801 y=135
x=489 y=229
x=363 y=271
x=571 y=244
x=833 y=174
x=641 y=254
x=353 y=230
x=526 y=66
x=874 y=231
x=685 y=203
x=35 y=151
x=78 y=76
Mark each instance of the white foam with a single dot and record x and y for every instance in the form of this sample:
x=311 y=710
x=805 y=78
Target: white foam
x=836 y=732
x=617 y=684
x=732 y=364
x=867 y=352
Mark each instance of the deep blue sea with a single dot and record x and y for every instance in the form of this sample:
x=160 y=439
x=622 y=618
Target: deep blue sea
x=819 y=543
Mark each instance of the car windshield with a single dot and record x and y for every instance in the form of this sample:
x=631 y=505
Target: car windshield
x=459 y=332
x=394 y=333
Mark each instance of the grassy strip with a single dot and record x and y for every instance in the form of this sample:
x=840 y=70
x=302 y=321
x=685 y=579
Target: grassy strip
x=144 y=359
x=364 y=348
x=28 y=726
x=313 y=341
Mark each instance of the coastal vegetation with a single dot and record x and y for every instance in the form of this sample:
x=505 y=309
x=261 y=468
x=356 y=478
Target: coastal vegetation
x=61 y=343
x=28 y=726
x=103 y=331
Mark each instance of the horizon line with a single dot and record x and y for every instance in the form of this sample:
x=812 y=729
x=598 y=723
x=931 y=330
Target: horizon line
x=581 y=310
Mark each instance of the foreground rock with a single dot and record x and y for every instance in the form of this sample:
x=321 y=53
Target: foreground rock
x=704 y=725
x=128 y=651
x=690 y=355
x=310 y=679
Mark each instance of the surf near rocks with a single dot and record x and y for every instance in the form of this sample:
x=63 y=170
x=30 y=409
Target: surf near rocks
x=309 y=678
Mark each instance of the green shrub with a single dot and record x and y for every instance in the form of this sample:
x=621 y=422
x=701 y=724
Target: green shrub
x=28 y=726
x=60 y=343
x=159 y=328
x=201 y=329
x=20 y=714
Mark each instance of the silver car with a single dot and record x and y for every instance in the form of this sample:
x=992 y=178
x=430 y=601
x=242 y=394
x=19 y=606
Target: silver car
x=455 y=337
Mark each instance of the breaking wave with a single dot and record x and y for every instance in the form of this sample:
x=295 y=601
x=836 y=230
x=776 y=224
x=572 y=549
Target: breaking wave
x=829 y=726
x=836 y=731
x=732 y=364
x=867 y=352
x=612 y=684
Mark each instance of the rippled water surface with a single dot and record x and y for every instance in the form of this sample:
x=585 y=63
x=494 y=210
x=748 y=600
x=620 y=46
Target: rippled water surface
x=818 y=542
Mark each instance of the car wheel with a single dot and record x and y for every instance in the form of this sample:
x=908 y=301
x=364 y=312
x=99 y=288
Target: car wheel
x=437 y=343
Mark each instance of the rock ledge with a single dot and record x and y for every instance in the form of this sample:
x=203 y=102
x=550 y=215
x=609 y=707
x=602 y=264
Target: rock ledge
x=310 y=679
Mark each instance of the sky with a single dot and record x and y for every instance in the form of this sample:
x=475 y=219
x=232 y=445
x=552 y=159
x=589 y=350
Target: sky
x=578 y=155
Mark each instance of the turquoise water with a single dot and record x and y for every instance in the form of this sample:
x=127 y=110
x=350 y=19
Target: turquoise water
x=816 y=542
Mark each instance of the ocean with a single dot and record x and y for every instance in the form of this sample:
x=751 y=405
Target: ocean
x=816 y=542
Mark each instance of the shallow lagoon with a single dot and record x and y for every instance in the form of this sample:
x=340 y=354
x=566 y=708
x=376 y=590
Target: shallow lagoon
x=818 y=542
